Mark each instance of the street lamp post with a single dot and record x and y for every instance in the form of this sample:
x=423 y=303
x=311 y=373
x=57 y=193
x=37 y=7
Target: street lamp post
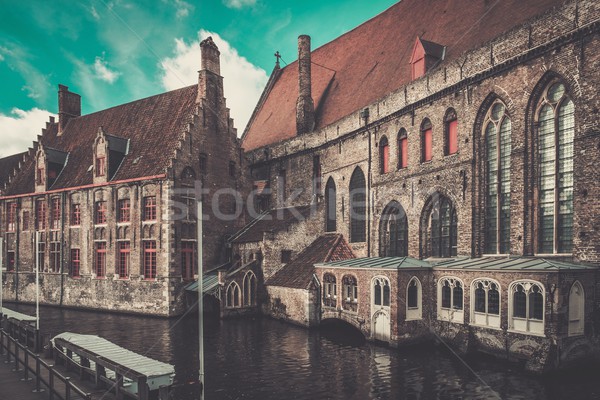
x=200 y=301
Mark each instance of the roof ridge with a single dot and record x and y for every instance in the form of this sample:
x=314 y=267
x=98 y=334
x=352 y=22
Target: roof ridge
x=248 y=226
x=335 y=243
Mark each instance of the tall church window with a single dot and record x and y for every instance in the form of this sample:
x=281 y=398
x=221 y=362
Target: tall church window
x=358 y=207
x=556 y=128
x=440 y=239
x=426 y=140
x=331 y=206
x=497 y=130
x=450 y=132
x=384 y=156
x=402 y=149
x=393 y=232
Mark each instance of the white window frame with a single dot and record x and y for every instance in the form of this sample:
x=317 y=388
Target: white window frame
x=249 y=279
x=233 y=286
x=450 y=314
x=577 y=322
x=526 y=325
x=415 y=313
x=382 y=280
x=486 y=319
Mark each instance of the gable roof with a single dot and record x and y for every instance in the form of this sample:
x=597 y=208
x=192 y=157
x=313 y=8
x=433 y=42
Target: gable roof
x=7 y=166
x=511 y=264
x=153 y=126
x=372 y=60
x=298 y=273
x=275 y=220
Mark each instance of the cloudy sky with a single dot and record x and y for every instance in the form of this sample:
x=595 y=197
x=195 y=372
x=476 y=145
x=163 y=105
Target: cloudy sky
x=114 y=52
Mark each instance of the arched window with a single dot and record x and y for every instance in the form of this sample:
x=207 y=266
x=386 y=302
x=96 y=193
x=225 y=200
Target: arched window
x=250 y=289
x=358 y=206
x=486 y=310
x=413 y=299
x=381 y=292
x=331 y=210
x=576 y=309
x=527 y=307
x=497 y=130
x=232 y=295
x=450 y=300
x=329 y=291
x=402 y=149
x=350 y=293
x=556 y=128
x=450 y=132
x=440 y=239
x=426 y=140
x=384 y=155
x=393 y=231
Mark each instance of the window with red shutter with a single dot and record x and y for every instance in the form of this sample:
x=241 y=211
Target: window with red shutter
x=384 y=155
x=187 y=260
x=100 y=212
x=150 y=208
x=150 y=259
x=123 y=260
x=452 y=137
x=75 y=263
x=100 y=260
x=41 y=215
x=402 y=149
x=75 y=214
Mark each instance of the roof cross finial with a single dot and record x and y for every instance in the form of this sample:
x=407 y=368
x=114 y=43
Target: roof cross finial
x=277 y=56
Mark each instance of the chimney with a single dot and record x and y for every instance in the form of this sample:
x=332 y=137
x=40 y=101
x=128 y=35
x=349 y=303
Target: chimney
x=305 y=109
x=69 y=106
x=210 y=56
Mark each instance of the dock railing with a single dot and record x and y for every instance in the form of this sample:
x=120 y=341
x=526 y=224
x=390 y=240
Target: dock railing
x=23 y=359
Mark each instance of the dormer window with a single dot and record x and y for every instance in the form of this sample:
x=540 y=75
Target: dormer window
x=100 y=166
x=425 y=56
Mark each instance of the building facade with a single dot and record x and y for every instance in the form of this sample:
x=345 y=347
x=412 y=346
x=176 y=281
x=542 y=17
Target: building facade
x=105 y=203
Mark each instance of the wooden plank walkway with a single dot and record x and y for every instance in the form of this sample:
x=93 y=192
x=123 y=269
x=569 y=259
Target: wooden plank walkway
x=13 y=388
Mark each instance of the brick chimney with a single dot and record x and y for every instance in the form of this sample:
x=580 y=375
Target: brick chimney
x=69 y=106
x=210 y=56
x=305 y=109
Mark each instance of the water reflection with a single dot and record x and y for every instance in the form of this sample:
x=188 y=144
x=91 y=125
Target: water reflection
x=265 y=359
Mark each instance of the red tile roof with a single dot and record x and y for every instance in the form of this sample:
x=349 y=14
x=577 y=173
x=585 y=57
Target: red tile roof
x=372 y=60
x=153 y=126
x=298 y=273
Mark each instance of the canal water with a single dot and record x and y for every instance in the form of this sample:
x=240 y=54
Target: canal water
x=265 y=359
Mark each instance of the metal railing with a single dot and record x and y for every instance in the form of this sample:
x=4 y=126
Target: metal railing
x=21 y=355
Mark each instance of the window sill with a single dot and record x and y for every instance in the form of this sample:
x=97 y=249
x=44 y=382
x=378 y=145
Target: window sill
x=413 y=319
x=527 y=333
x=496 y=328
x=74 y=226
x=121 y=223
x=553 y=255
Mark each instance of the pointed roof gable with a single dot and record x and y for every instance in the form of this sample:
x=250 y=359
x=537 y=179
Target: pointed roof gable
x=370 y=61
x=152 y=128
x=298 y=273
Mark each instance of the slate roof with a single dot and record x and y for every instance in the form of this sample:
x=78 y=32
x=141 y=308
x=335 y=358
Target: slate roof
x=511 y=264
x=378 y=263
x=372 y=60
x=298 y=273
x=7 y=166
x=153 y=126
x=275 y=220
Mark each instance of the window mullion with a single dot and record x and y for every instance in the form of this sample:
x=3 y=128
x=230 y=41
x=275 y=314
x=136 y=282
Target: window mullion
x=498 y=186
x=556 y=209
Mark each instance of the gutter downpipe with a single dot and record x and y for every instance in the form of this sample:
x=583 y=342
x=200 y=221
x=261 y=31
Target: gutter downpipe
x=62 y=248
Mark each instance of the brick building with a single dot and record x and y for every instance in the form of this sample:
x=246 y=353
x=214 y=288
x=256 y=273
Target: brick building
x=463 y=134
x=112 y=197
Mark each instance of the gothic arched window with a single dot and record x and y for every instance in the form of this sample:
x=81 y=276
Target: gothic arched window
x=358 y=206
x=331 y=206
x=440 y=239
x=393 y=231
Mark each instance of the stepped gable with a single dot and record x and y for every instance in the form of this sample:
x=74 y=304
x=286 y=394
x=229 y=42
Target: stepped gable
x=8 y=165
x=153 y=126
x=298 y=273
x=372 y=60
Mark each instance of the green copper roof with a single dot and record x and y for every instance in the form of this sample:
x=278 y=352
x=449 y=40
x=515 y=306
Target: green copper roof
x=510 y=264
x=377 y=263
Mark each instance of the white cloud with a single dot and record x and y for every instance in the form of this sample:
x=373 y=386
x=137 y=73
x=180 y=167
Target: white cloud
x=243 y=81
x=94 y=13
x=31 y=92
x=20 y=128
x=239 y=3
x=103 y=72
x=1 y=57
x=183 y=8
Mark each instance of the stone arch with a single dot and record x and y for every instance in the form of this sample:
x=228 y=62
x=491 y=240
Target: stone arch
x=428 y=229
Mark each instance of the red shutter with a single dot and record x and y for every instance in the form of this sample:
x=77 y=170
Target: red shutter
x=452 y=137
x=385 y=158
x=428 y=143
x=403 y=153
